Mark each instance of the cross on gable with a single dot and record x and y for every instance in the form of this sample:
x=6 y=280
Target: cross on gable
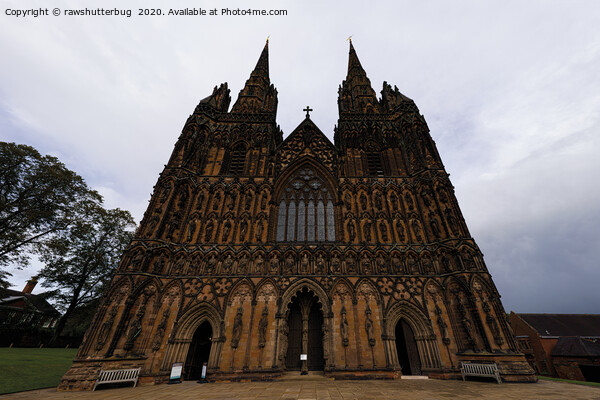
x=308 y=110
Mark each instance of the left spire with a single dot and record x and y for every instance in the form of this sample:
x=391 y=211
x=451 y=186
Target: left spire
x=258 y=95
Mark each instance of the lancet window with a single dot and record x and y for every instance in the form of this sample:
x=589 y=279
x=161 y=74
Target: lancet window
x=306 y=211
x=237 y=160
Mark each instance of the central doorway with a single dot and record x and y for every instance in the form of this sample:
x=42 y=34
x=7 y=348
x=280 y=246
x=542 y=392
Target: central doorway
x=199 y=352
x=406 y=346
x=305 y=339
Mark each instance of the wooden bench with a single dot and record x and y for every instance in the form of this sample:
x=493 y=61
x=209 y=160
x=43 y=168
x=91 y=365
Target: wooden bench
x=118 y=376
x=481 y=370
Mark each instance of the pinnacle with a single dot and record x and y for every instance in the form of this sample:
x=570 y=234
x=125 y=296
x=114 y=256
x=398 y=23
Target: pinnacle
x=354 y=66
x=262 y=66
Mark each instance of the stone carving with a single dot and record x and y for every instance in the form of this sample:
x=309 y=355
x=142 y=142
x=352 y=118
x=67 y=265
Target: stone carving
x=216 y=201
x=243 y=229
x=442 y=325
x=262 y=327
x=350 y=264
x=320 y=265
x=367 y=231
x=191 y=231
x=348 y=202
x=416 y=225
x=259 y=263
x=304 y=264
x=400 y=230
x=226 y=231
x=211 y=265
x=351 y=231
x=208 y=230
x=383 y=229
x=259 y=230
x=289 y=264
x=492 y=323
x=228 y=264
x=344 y=326
x=336 y=265
x=410 y=204
x=237 y=328
x=363 y=201
x=369 y=326
x=159 y=265
x=365 y=263
x=274 y=265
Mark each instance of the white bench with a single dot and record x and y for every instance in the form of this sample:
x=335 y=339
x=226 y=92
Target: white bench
x=118 y=376
x=481 y=370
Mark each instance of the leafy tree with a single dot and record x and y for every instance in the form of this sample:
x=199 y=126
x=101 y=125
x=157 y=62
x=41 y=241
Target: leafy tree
x=82 y=259
x=37 y=196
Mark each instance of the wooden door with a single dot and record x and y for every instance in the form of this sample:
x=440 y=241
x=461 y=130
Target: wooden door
x=315 y=339
x=292 y=359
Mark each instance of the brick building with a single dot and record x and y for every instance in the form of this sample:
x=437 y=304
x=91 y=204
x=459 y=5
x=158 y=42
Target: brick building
x=26 y=319
x=256 y=250
x=562 y=345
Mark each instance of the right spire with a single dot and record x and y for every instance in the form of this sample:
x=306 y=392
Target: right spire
x=356 y=94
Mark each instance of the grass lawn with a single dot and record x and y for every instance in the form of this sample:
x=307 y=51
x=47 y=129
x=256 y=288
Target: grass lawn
x=28 y=369
x=548 y=378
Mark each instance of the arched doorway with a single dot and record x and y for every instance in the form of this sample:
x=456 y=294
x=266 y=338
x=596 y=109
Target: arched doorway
x=199 y=351
x=305 y=333
x=406 y=346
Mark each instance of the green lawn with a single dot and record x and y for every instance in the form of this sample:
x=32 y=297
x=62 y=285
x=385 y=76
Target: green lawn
x=28 y=369
x=548 y=378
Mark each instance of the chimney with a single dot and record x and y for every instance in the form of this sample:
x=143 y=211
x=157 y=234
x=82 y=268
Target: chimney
x=30 y=285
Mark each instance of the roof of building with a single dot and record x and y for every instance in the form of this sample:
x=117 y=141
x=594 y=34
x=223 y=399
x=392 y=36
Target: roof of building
x=576 y=347
x=8 y=296
x=586 y=325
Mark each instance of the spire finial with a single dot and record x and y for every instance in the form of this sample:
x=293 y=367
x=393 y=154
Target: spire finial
x=268 y=39
x=349 y=39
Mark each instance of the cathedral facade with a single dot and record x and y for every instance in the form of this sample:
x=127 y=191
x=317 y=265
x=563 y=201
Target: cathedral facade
x=259 y=255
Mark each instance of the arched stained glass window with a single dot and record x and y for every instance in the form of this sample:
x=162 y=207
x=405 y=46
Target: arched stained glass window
x=281 y=222
x=291 y=221
x=330 y=221
x=303 y=214
x=321 y=220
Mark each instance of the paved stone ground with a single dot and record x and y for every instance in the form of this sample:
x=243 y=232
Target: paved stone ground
x=332 y=390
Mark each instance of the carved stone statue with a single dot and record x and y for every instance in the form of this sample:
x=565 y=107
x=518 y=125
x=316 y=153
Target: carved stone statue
x=363 y=202
x=216 y=200
x=336 y=265
x=394 y=201
x=226 y=231
x=237 y=328
x=320 y=265
x=344 y=327
x=400 y=230
x=410 y=204
x=383 y=229
x=208 y=230
x=227 y=264
x=243 y=229
x=369 y=326
x=304 y=264
x=348 y=202
x=259 y=230
x=259 y=263
x=262 y=327
x=274 y=269
x=351 y=231
x=367 y=231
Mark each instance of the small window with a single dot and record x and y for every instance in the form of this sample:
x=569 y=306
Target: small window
x=374 y=164
x=237 y=160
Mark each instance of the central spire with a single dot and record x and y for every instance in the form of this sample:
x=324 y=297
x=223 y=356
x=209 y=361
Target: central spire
x=258 y=95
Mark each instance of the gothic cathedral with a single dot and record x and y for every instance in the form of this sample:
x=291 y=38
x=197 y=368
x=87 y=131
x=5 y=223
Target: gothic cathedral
x=261 y=256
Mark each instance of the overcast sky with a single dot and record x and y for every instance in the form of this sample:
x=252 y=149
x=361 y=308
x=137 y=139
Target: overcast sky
x=510 y=91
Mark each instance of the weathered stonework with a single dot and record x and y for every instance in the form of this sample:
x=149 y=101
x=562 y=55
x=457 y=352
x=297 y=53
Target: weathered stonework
x=355 y=253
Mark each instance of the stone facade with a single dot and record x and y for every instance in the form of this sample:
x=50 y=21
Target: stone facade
x=355 y=252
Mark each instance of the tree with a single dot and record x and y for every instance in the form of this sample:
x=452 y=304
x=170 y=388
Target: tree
x=82 y=259
x=37 y=195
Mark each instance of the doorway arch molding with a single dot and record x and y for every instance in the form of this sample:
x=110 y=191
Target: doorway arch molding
x=282 y=314
x=425 y=337
x=183 y=332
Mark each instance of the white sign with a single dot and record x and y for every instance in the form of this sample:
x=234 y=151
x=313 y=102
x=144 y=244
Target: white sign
x=204 y=371
x=176 y=371
x=303 y=357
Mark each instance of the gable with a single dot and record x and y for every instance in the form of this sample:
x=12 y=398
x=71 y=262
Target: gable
x=306 y=140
